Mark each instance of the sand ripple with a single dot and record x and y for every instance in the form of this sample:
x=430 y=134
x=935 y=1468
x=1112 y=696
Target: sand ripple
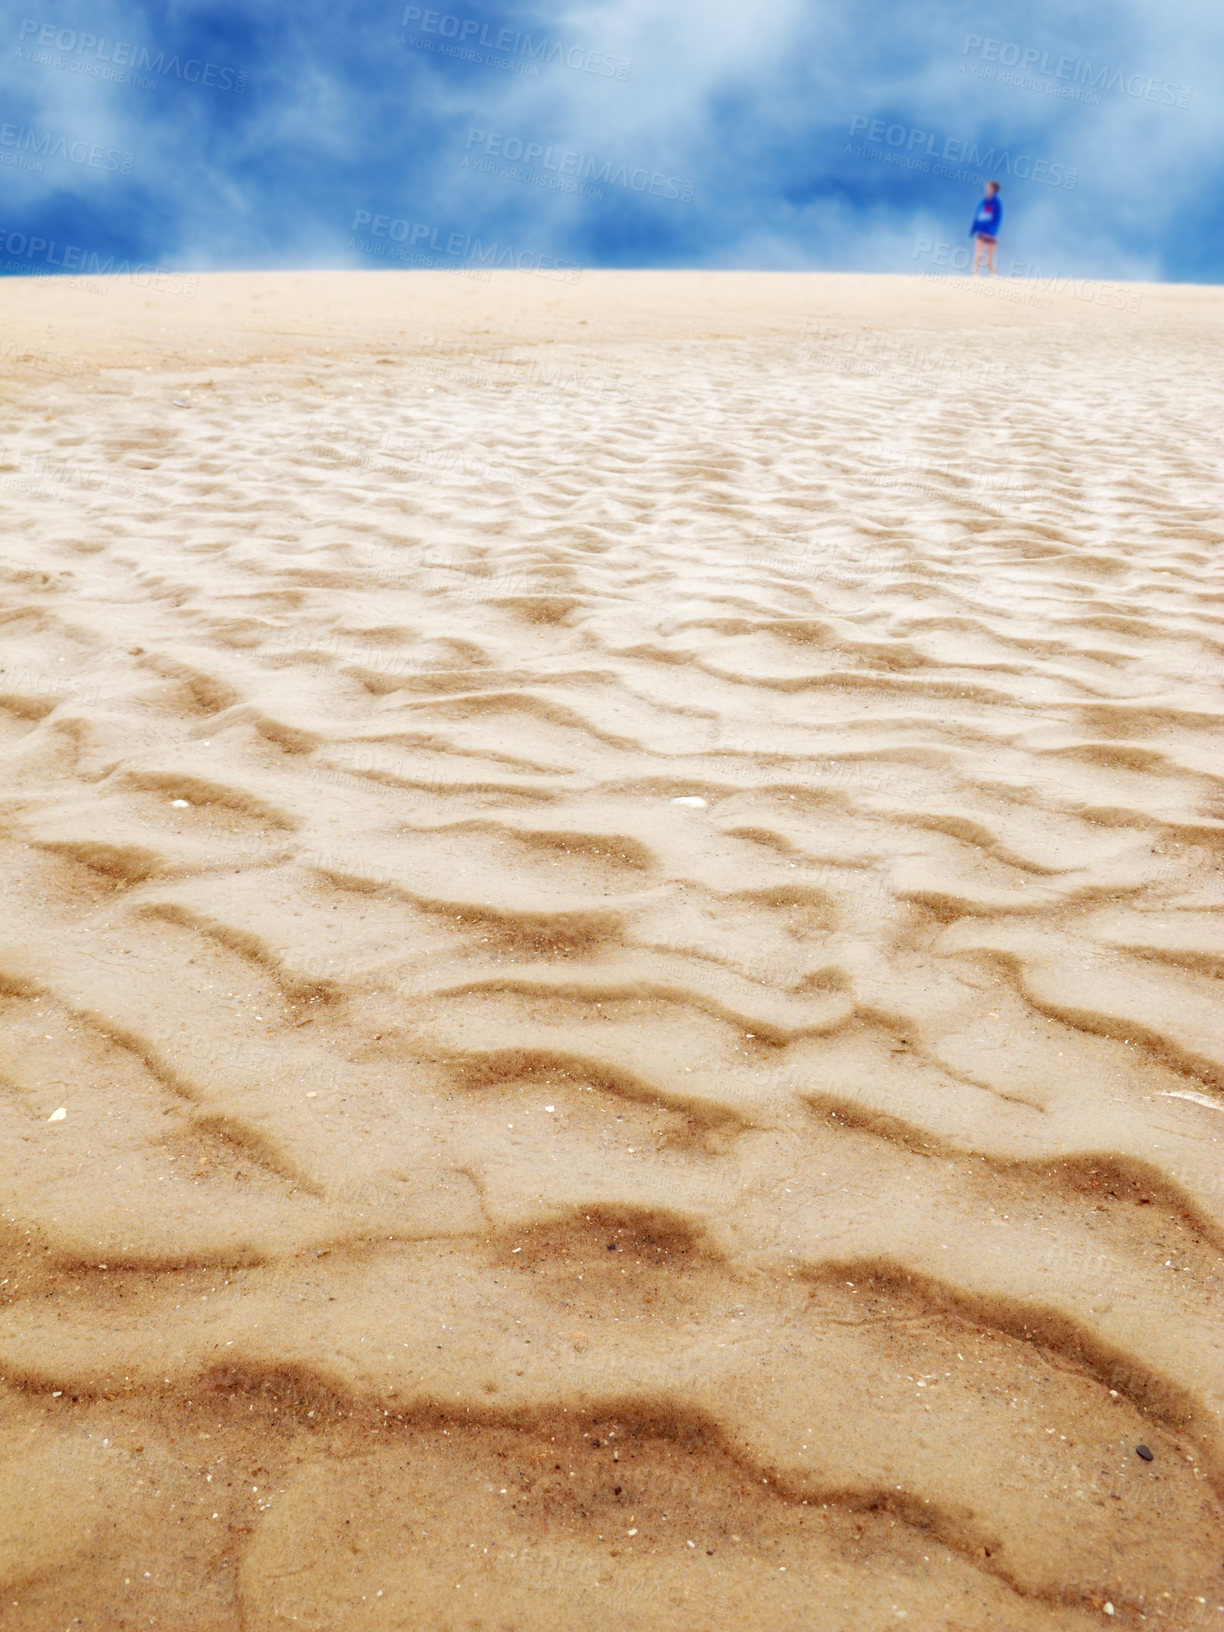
x=493 y=1194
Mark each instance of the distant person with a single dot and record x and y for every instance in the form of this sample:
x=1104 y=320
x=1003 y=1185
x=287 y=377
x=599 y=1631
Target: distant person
x=985 y=228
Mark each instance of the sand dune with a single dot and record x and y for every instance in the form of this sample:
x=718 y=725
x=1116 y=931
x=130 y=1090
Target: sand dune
x=610 y=957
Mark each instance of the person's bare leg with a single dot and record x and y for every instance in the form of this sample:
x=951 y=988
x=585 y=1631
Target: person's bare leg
x=977 y=255
x=990 y=266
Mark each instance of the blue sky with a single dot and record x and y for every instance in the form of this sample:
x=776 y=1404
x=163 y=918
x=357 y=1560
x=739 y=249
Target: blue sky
x=806 y=134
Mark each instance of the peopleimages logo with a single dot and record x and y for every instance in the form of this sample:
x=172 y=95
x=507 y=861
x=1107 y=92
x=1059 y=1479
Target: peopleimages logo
x=33 y=252
x=579 y=166
x=912 y=148
x=957 y=258
x=461 y=247
x=50 y=145
x=123 y=54
x=1068 y=71
x=52 y=475
x=468 y=32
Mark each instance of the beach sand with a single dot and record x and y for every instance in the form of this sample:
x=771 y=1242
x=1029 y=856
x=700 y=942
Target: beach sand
x=609 y=991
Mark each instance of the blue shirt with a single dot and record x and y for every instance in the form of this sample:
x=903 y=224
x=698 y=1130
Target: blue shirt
x=989 y=214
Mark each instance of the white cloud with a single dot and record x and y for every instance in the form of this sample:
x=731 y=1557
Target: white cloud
x=751 y=104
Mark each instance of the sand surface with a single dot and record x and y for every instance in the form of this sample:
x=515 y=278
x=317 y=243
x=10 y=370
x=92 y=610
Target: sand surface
x=609 y=955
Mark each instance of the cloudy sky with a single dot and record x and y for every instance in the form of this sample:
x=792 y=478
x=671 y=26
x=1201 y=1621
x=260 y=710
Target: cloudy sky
x=826 y=134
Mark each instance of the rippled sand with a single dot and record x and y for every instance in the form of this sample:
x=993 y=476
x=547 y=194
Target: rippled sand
x=616 y=884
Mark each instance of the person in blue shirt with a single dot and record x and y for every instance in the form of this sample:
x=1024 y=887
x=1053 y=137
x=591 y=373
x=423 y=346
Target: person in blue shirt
x=985 y=228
